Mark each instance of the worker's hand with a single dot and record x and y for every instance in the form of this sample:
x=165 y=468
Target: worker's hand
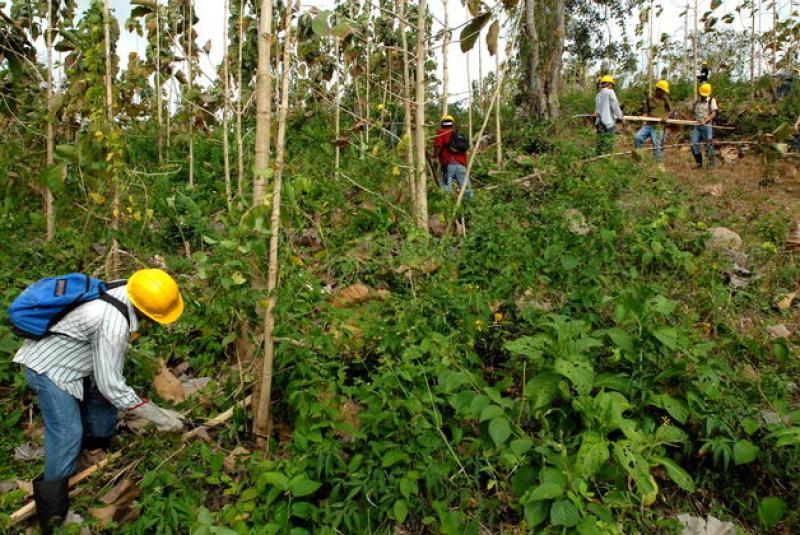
x=163 y=419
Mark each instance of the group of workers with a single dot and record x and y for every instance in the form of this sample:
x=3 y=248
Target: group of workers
x=608 y=113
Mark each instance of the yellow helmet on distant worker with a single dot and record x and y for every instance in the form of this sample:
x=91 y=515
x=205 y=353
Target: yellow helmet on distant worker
x=663 y=85
x=447 y=118
x=705 y=90
x=155 y=294
x=607 y=79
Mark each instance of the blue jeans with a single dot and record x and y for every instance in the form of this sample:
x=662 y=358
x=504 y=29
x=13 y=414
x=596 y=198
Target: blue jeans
x=657 y=134
x=457 y=172
x=702 y=133
x=68 y=422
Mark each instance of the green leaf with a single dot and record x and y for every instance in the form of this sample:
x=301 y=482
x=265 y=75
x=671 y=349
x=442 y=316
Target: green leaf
x=744 y=452
x=580 y=373
x=771 y=511
x=542 y=389
x=392 y=457
x=400 y=511
x=529 y=346
x=301 y=486
x=680 y=476
x=472 y=30
x=592 y=454
x=51 y=178
x=715 y=4
x=520 y=446
x=667 y=336
x=67 y=152
x=564 y=513
x=499 y=430
x=545 y=491
x=490 y=412
x=535 y=513
x=449 y=380
x=620 y=338
x=276 y=479
x=569 y=262
x=321 y=24
x=670 y=434
x=675 y=407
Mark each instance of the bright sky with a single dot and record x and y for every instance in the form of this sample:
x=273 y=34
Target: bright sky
x=210 y=13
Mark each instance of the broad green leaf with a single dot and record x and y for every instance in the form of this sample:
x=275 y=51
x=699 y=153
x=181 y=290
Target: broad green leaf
x=321 y=25
x=67 y=152
x=564 y=513
x=580 y=374
x=400 y=511
x=675 y=407
x=771 y=511
x=530 y=346
x=569 y=262
x=535 y=513
x=620 y=338
x=472 y=30
x=592 y=454
x=408 y=487
x=671 y=434
x=548 y=474
x=51 y=177
x=744 y=452
x=680 y=476
x=667 y=336
x=490 y=412
x=449 y=380
x=588 y=526
x=479 y=402
x=499 y=430
x=392 y=457
x=541 y=390
x=301 y=486
x=276 y=479
x=521 y=446
x=545 y=491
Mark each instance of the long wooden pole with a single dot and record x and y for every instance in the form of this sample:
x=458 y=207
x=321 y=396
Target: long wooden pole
x=445 y=70
x=419 y=114
x=407 y=109
x=694 y=52
x=240 y=110
x=190 y=76
x=113 y=266
x=226 y=109
x=49 y=212
x=263 y=103
x=262 y=424
x=159 y=104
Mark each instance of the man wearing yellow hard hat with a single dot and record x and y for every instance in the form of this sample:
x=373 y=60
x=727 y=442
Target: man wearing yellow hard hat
x=75 y=369
x=656 y=105
x=704 y=110
x=606 y=114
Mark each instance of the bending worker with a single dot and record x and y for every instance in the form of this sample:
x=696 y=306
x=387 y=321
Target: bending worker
x=704 y=110
x=451 y=147
x=76 y=373
x=657 y=105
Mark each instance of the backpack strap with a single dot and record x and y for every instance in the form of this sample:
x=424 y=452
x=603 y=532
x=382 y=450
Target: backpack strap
x=113 y=301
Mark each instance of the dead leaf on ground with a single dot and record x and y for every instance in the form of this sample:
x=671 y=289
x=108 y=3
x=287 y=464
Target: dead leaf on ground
x=193 y=385
x=693 y=525
x=748 y=371
x=168 y=386
x=341 y=142
x=25 y=486
x=785 y=302
x=118 y=501
x=714 y=190
x=7 y=485
x=729 y=154
x=576 y=222
x=348 y=413
x=115 y=493
x=779 y=331
x=793 y=238
x=353 y=294
x=28 y=452
x=232 y=458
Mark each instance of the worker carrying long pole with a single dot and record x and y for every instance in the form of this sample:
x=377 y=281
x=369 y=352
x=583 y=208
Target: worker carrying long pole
x=704 y=110
x=658 y=105
x=73 y=360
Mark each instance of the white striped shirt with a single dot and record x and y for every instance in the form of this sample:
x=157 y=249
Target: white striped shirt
x=95 y=342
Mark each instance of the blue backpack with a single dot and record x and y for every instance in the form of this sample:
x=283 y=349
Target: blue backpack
x=45 y=302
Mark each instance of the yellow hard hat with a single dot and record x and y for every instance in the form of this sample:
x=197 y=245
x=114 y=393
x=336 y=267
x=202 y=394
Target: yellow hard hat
x=705 y=90
x=663 y=85
x=447 y=118
x=607 y=79
x=155 y=294
x=379 y=107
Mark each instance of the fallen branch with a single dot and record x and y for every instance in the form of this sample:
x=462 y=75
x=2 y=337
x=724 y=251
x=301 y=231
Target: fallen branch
x=646 y=119
x=29 y=509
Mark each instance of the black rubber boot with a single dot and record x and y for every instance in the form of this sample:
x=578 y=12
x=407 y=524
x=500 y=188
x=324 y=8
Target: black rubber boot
x=52 y=502
x=698 y=158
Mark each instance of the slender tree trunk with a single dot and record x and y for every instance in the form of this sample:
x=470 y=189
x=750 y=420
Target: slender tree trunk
x=262 y=424
x=113 y=266
x=694 y=52
x=226 y=109
x=445 y=72
x=407 y=109
x=498 y=131
x=753 y=49
x=49 y=212
x=555 y=61
x=650 y=48
x=422 y=174
x=190 y=77
x=263 y=103
x=773 y=78
x=469 y=98
x=171 y=95
x=686 y=42
x=536 y=97
x=480 y=76
x=336 y=119
x=240 y=109
x=368 y=106
x=159 y=104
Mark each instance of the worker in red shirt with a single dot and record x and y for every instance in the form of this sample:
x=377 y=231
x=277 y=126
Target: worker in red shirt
x=451 y=147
